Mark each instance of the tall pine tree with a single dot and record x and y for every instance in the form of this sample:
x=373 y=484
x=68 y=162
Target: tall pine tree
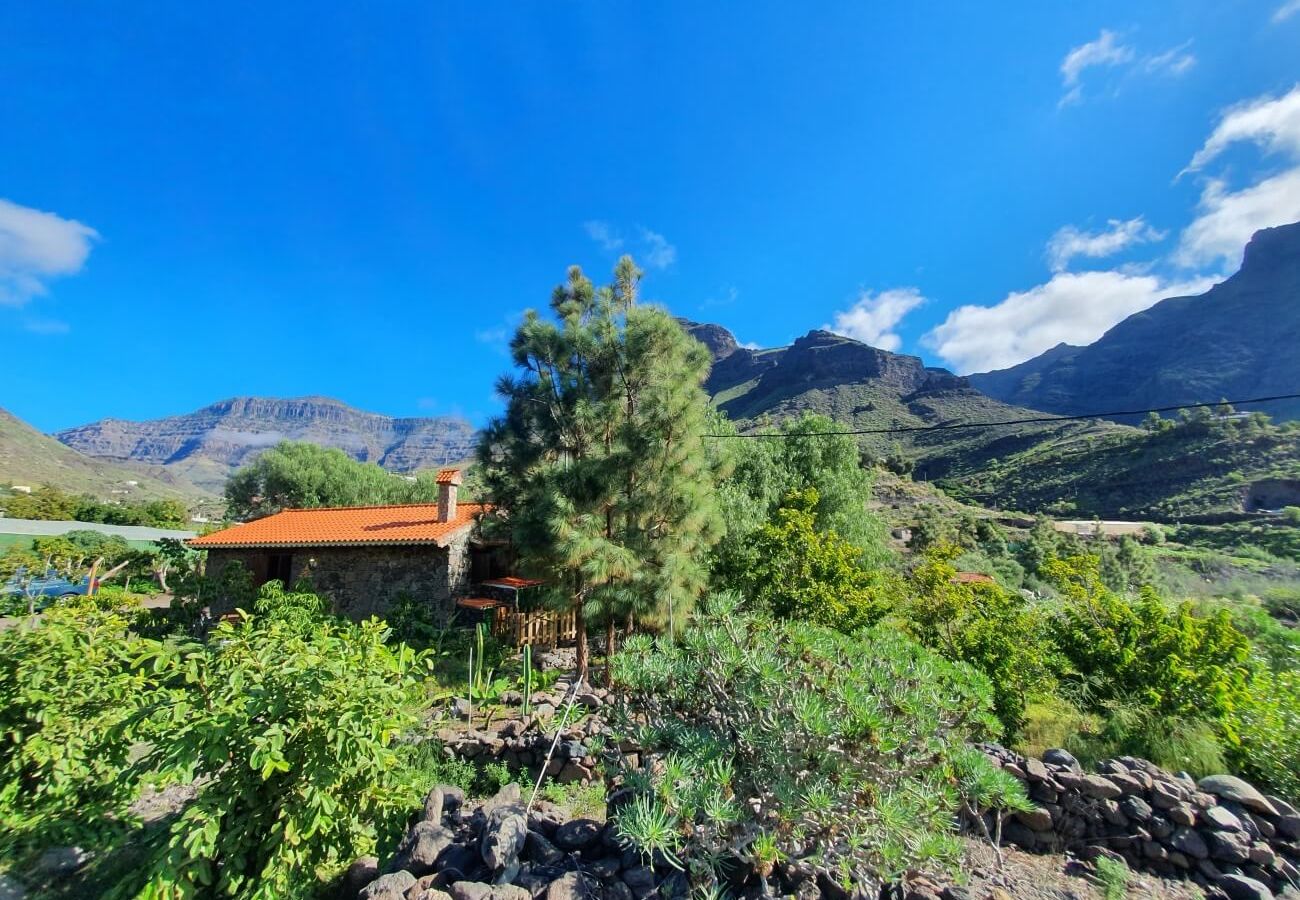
x=598 y=467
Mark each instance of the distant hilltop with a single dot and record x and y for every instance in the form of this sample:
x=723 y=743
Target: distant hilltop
x=207 y=445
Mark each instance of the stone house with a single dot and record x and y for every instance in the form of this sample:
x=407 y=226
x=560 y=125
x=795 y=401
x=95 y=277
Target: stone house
x=362 y=558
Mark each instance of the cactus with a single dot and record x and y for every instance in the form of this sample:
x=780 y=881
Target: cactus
x=528 y=678
x=479 y=637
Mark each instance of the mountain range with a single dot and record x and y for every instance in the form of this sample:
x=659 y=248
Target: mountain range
x=205 y=446
x=31 y=459
x=1239 y=339
x=866 y=388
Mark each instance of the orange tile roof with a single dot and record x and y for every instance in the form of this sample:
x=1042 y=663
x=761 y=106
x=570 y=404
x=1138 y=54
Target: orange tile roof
x=972 y=578
x=413 y=523
x=448 y=476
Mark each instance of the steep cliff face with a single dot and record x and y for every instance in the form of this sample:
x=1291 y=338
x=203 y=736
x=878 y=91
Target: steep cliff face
x=212 y=442
x=869 y=388
x=1238 y=339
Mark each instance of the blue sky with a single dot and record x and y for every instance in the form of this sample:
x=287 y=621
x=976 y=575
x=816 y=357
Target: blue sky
x=287 y=199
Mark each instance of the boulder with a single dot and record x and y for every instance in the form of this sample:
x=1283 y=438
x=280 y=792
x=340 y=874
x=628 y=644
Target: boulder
x=1239 y=887
x=421 y=847
x=443 y=799
x=569 y=886
x=1228 y=846
x=1100 y=788
x=1188 y=841
x=578 y=834
x=1220 y=819
x=1230 y=787
x=1036 y=771
x=617 y=890
x=1182 y=814
x=604 y=867
x=363 y=870
x=1037 y=819
x=509 y=892
x=1059 y=757
x=470 y=890
x=503 y=837
x=1287 y=820
x=1136 y=809
x=1167 y=794
x=541 y=851
x=392 y=886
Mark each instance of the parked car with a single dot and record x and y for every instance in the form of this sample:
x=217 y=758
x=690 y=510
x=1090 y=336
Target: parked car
x=41 y=589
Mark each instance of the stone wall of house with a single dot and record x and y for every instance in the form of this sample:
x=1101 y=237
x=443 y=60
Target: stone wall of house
x=364 y=581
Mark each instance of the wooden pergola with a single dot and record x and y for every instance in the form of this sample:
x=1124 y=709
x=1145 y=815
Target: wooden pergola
x=513 y=622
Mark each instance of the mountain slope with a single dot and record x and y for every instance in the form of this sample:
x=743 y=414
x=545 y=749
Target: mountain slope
x=867 y=388
x=208 y=444
x=30 y=458
x=1239 y=339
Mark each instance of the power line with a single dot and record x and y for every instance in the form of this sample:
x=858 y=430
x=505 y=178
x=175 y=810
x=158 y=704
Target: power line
x=1037 y=420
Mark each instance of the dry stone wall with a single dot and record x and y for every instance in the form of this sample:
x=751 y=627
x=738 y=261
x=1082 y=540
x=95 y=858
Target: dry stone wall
x=1219 y=831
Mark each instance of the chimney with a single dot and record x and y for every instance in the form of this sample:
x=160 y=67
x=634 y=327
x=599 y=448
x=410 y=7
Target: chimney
x=448 y=483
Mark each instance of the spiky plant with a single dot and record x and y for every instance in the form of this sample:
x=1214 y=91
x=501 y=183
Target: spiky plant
x=775 y=742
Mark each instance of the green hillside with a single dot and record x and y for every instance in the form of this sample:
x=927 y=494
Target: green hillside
x=1203 y=467
x=30 y=458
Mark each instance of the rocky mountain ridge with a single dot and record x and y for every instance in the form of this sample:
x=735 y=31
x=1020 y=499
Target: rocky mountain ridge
x=210 y=443
x=1236 y=340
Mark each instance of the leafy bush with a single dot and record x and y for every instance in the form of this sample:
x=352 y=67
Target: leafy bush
x=70 y=687
x=770 y=740
x=291 y=730
x=1265 y=724
x=801 y=573
x=299 y=608
x=993 y=629
x=1167 y=659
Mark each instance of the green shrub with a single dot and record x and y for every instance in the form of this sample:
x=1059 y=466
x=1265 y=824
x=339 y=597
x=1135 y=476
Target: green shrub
x=769 y=740
x=985 y=625
x=799 y=572
x=1114 y=877
x=1168 y=660
x=70 y=686
x=292 y=732
x=299 y=608
x=1265 y=725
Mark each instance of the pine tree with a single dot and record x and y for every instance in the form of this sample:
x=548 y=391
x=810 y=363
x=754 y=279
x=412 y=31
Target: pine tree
x=598 y=467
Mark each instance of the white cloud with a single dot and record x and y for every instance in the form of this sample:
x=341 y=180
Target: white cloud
x=1105 y=51
x=1074 y=308
x=656 y=251
x=874 y=316
x=36 y=247
x=1286 y=11
x=1108 y=52
x=1174 y=61
x=1069 y=241
x=1227 y=218
x=1271 y=122
x=602 y=233
x=651 y=248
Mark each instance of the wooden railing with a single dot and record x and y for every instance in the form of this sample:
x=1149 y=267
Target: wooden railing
x=543 y=627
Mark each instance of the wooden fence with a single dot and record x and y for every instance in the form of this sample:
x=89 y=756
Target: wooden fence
x=543 y=627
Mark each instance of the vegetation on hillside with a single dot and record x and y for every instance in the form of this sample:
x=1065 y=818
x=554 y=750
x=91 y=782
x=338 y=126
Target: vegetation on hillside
x=1202 y=463
x=49 y=503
